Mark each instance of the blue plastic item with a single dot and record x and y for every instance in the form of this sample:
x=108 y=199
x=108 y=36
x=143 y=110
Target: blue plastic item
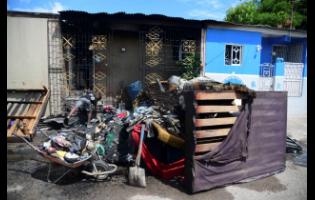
x=134 y=89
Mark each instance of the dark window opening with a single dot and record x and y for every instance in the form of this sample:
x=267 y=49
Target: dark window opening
x=289 y=53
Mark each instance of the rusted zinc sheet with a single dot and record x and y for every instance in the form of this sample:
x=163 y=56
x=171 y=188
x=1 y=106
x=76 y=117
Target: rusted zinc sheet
x=254 y=146
x=24 y=110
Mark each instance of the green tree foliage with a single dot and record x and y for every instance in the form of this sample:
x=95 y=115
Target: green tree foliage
x=276 y=13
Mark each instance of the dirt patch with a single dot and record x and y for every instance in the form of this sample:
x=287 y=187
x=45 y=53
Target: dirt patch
x=271 y=184
x=219 y=193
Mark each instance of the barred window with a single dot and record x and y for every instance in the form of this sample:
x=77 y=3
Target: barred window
x=233 y=55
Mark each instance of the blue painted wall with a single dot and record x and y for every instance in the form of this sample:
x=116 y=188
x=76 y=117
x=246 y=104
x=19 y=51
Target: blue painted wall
x=266 y=53
x=216 y=39
x=305 y=58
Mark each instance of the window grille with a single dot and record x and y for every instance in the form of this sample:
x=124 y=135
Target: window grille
x=233 y=55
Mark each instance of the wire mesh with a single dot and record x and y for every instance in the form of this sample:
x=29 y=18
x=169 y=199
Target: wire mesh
x=56 y=70
x=161 y=49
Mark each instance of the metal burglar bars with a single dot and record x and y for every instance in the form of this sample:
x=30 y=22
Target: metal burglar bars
x=99 y=46
x=293 y=78
x=87 y=41
x=266 y=77
x=162 y=47
x=85 y=55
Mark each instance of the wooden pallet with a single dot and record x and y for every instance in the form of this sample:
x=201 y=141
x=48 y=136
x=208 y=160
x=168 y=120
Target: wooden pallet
x=24 y=110
x=210 y=130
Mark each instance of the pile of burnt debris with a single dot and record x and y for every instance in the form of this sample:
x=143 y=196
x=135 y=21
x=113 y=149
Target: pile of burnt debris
x=152 y=127
x=152 y=117
x=113 y=135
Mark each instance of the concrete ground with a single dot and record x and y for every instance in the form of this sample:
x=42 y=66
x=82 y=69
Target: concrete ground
x=26 y=180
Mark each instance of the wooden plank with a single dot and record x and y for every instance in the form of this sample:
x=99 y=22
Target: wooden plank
x=9 y=107
x=203 y=95
x=31 y=111
x=215 y=121
x=23 y=109
x=28 y=111
x=12 y=128
x=20 y=111
x=25 y=90
x=40 y=110
x=211 y=140
x=16 y=107
x=38 y=96
x=25 y=102
x=216 y=109
x=19 y=132
x=212 y=133
x=26 y=108
x=30 y=106
x=206 y=147
x=21 y=117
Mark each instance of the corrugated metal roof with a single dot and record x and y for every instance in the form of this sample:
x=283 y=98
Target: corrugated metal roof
x=32 y=14
x=157 y=17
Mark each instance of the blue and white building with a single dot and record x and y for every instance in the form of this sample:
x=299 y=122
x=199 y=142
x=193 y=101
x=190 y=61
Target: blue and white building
x=262 y=58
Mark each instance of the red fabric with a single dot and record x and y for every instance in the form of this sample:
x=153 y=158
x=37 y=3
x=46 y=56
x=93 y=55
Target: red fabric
x=165 y=171
x=122 y=115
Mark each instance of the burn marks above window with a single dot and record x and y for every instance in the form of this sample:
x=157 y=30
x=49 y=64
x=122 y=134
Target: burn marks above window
x=233 y=55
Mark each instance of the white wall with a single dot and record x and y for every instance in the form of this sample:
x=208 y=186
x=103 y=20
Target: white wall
x=251 y=81
x=297 y=106
x=27 y=59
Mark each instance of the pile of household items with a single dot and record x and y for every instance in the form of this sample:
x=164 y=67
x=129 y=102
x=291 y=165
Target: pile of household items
x=114 y=136
x=166 y=125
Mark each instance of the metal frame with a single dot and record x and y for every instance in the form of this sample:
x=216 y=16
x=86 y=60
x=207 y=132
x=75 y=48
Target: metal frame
x=298 y=78
x=26 y=111
x=56 y=69
x=241 y=53
x=59 y=178
x=171 y=38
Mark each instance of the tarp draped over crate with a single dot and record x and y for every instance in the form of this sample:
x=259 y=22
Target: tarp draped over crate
x=234 y=146
x=246 y=154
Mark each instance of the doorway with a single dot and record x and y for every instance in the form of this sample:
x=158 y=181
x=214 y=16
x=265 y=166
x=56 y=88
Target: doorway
x=124 y=64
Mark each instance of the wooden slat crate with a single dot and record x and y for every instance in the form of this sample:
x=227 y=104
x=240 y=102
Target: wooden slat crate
x=24 y=110
x=213 y=118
